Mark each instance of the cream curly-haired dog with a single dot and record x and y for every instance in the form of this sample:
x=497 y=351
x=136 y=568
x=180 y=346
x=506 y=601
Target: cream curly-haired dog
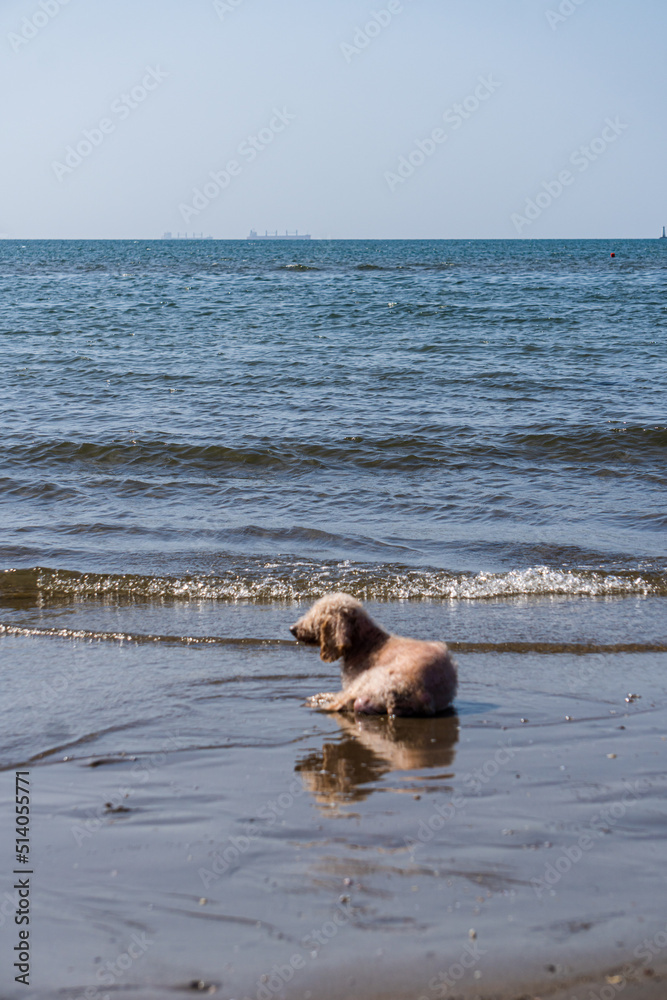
x=381 y=673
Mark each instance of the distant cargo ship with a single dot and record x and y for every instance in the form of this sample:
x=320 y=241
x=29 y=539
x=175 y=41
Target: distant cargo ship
x=278 y=236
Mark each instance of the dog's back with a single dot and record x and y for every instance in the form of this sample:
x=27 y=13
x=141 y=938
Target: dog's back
x=407 y=677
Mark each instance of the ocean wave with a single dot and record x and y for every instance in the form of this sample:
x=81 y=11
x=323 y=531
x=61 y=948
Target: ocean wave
x=141 y=638
x=93 y=635
x=611 y=443
x=592 y=446
x=295 y=580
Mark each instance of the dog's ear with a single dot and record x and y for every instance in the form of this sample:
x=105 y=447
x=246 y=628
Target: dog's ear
x=336 y=634
x=330 y=639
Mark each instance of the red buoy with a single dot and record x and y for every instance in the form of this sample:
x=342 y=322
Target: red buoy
x=612 y=254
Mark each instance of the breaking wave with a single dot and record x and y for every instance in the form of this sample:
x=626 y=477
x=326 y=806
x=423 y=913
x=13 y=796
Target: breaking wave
x=300 y=580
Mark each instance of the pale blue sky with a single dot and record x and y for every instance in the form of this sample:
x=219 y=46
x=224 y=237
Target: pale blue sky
x=334 y=113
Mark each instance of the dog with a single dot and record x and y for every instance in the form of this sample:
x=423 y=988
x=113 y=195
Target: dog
x=382 y=674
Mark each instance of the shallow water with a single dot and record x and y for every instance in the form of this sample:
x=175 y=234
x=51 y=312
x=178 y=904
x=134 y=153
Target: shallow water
x=202 y=438
x=182 y=792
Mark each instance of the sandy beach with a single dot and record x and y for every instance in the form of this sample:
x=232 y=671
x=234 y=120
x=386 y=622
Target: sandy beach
x=195 y=828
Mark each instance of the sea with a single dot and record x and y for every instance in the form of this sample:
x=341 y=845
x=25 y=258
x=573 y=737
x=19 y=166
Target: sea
x=202 y=437
x=403 y=420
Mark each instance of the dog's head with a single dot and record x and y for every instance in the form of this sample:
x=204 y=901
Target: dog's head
x=335 y=623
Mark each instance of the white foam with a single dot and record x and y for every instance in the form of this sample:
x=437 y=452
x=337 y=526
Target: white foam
x=289 y=582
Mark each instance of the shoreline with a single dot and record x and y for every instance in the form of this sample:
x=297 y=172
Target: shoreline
x=187 y=795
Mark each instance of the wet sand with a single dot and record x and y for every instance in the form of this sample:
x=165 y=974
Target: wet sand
x=196 y=829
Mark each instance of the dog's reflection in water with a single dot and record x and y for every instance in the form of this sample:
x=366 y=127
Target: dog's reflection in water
x=372 y=746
